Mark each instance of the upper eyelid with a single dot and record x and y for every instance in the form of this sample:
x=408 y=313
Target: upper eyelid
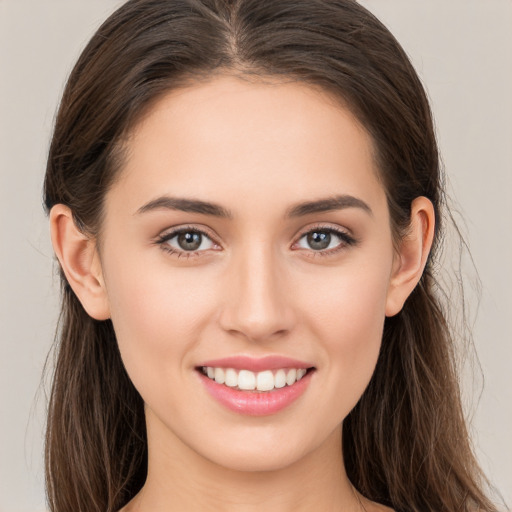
x=164 y=237
x=324 y=227
x=345 y=235
x=174 y=231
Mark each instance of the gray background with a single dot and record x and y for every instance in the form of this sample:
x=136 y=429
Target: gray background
x=463 y=52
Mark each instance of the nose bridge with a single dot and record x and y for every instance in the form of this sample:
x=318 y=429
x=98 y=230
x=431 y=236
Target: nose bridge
x=259 y=304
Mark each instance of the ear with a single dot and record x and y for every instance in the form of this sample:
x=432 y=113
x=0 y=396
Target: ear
x=411 y=257
x=79 y=259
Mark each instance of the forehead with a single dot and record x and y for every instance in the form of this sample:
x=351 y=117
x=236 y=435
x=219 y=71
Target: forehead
x=264 y=140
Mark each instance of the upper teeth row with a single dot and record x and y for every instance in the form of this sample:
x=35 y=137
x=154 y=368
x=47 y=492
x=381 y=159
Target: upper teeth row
x=261 y=381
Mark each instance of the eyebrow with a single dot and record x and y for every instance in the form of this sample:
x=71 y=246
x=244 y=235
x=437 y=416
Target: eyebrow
x=301 y=209
x=185 y=205
x=328 y=204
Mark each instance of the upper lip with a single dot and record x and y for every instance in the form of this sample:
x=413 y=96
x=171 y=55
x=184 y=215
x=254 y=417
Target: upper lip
x=256 y=364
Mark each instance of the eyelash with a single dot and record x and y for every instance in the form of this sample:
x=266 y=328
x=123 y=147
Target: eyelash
x=346 y=241
x=162 y=240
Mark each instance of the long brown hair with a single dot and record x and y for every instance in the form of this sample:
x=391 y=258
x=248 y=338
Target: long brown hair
x=405 y=444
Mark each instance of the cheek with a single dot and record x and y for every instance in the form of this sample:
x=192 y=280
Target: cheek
x=349 y=300
x=347 y=314
x=156 y=312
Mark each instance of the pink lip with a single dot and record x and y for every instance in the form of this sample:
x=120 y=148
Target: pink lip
x=256 y=403
x=256 y=364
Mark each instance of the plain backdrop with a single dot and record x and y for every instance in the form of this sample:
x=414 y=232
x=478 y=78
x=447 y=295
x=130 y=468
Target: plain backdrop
x=462 y=50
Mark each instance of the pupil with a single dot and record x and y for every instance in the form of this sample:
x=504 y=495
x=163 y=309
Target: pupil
x=189 y=241
x=319 y=240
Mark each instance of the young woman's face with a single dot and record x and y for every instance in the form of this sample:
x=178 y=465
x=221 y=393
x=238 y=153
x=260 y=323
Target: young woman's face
x=248 y=231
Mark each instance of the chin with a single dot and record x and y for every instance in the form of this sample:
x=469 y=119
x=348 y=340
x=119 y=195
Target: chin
x=265 y=453
x=258 y=461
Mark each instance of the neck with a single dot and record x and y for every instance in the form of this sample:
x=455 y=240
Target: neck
x=181 y=479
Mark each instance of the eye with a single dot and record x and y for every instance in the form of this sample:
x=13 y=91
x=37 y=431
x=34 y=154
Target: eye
x=186 y=241
x=324 y=240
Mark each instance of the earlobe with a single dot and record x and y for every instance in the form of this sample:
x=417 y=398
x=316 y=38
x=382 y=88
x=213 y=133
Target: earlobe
x=79 y=259
x=412 y=255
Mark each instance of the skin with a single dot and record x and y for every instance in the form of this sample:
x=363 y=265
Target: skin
x=254 y=288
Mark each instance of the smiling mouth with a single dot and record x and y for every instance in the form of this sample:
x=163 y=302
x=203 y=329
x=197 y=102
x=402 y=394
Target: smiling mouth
x=246 y=380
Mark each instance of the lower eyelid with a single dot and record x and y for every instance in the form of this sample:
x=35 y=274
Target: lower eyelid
x=179 y=253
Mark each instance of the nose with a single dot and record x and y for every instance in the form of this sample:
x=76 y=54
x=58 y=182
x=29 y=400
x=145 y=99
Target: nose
x=259 y=298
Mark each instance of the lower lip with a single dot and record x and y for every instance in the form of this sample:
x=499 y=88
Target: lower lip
x=254 y=403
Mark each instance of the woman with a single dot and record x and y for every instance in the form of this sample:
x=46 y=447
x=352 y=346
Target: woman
x=245 y=202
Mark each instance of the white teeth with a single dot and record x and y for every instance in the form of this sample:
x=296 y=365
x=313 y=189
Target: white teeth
x=248 y=381
x=231 y=378
x=265 y=381
x=280 y=379
x=291 y=376
x=219 y=376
